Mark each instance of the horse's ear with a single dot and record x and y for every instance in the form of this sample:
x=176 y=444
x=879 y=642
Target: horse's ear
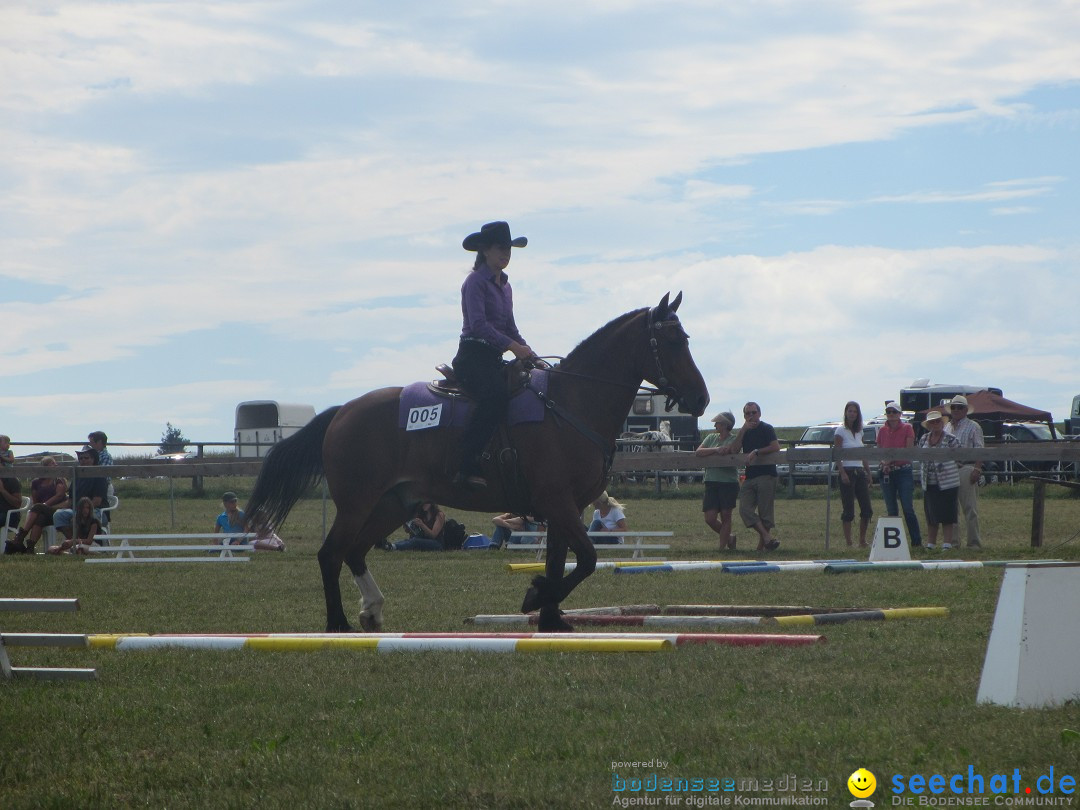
x=662 y=307
x=676 y=302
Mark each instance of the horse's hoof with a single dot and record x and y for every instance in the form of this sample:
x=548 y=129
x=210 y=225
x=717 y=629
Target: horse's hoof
x=369 y=624
x=339 y=628
x=536 y=595
x=551 y=621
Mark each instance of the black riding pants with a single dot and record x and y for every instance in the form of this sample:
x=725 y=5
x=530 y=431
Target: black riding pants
x=480 y=369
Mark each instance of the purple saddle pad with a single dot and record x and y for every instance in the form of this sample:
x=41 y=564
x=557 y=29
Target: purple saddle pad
x=419 y=408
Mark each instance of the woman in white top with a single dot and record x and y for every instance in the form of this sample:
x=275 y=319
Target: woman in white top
x=608 y=516
x=854 y=475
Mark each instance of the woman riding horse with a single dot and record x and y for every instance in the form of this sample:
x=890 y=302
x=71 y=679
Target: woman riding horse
x=488 y=330
x=378 y=472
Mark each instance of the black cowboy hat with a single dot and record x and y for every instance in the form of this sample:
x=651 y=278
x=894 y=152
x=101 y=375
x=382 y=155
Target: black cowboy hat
x=494 y=233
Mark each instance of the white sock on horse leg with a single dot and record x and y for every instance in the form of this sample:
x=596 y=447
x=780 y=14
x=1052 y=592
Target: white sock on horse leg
x=371 y=598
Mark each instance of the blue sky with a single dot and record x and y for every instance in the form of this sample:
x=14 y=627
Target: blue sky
x=206 y=203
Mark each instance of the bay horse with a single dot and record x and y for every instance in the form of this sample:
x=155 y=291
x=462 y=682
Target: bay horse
x=377 y=473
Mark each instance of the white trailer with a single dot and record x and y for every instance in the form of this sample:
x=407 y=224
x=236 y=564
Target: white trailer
x=262 y=423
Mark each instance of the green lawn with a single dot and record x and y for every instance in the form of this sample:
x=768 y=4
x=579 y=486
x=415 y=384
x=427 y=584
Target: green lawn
x=362 y=729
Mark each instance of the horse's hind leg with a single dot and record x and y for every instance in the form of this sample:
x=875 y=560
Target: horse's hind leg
x=331 y=555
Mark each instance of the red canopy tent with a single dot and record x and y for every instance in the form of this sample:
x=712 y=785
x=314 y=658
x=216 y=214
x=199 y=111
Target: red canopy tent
x=990 y=410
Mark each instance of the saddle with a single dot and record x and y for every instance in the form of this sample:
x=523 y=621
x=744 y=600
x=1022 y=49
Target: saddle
x=450 y=386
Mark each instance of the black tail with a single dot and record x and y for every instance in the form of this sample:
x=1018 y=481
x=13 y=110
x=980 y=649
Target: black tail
x=291 y=467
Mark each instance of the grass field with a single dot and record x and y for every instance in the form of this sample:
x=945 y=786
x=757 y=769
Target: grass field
x=362 y=729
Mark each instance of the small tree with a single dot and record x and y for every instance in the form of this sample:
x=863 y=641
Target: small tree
x=173 y=440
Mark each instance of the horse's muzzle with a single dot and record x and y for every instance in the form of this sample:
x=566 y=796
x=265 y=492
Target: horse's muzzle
x=694 y=405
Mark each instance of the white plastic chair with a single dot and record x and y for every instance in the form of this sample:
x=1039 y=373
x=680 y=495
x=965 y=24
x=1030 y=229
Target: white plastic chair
x=22 y=510
x=113 y=502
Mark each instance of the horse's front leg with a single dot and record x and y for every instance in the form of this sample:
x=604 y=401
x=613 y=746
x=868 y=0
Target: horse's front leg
x=371 y=598
x=548 y=591
x=387 y=514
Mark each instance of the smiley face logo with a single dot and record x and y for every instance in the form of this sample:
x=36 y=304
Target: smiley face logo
x=861 y=783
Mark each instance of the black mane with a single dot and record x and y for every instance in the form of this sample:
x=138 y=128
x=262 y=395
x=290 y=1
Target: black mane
x=583 y=346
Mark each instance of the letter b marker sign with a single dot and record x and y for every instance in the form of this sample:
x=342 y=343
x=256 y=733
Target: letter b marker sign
x=890 y=540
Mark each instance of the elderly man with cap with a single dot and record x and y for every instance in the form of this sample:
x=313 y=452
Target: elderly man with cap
x=721 y=483
x=488 y=331
x=968 y=434
x=897 y=482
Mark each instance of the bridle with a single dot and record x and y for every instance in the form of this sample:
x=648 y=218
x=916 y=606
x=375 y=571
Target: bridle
x=670 y=392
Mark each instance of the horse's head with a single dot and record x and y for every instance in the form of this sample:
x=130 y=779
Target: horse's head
x=672 y=368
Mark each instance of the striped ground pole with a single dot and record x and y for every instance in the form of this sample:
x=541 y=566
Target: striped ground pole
x=625 y=621
x=916 y=565
x=632 y=566
x=706 y=610
x=383 y=643
x=230 y=641
x=861 y=615
x=720 y=620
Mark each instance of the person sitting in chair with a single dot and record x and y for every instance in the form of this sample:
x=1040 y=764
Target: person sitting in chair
x=95 y=488
x=488 y=331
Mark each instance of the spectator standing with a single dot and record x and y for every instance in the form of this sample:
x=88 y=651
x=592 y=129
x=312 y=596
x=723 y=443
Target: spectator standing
x=941 y=481
x=968 y=434
x=757 y=497
x=607 y=516
x=98 y=440
x=897 y=480
x=854 y=475
x=7 y=456
x=721 y=483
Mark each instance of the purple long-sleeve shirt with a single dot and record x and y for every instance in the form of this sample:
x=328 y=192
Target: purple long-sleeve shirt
x=487 y=309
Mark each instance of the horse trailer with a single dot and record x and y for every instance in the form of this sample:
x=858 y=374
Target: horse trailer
x=647 y=413
x=262 y=423
x=922 y=396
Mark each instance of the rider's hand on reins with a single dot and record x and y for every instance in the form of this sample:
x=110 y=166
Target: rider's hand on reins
x=535 y=361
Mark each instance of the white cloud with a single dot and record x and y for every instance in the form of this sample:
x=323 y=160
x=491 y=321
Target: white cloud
x=406 y=129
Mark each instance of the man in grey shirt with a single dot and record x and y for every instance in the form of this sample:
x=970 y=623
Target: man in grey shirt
x=969 y=433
